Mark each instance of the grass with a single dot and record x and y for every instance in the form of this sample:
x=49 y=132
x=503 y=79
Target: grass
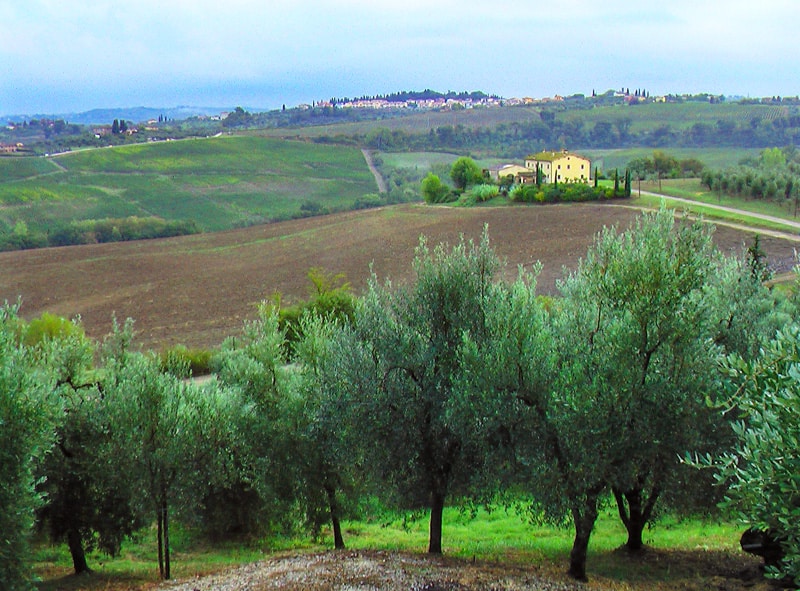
x=647 y=117
x=220 y=183
x=704 y=200
x=13 y=168
x=499 y=536
x=137 y=565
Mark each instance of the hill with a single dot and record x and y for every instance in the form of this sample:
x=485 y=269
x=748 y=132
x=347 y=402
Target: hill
x=217 y=183
x=197 y=290
x=107 y=115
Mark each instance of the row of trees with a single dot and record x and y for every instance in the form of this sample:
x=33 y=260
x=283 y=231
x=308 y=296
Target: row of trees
x=95 y=231
x=773 y=176
x=517 y=139
x=459 y=387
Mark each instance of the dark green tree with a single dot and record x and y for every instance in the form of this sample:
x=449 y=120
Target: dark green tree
x=465 y=172
x=433 y=190
x=88 y=505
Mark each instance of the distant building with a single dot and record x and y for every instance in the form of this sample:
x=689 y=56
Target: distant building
x=504 y=170
x=562 y=167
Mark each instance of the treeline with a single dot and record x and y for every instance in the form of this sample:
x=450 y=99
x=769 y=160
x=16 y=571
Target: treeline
x=518 y=139
x=774 y=176
x=461 y=387
x=419 y=95
x=96 y=231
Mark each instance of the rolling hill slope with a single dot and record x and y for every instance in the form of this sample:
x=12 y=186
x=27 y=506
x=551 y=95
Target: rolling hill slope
x=198 y=289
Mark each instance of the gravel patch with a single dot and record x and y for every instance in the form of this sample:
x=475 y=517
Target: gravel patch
x=369 y=571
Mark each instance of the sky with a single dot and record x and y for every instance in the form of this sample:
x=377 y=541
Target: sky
x=62 y=56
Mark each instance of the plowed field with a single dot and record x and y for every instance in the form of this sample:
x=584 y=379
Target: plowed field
x=197 y=290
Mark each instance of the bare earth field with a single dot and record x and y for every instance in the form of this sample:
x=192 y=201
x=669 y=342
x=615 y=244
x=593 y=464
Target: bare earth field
x=197 y=290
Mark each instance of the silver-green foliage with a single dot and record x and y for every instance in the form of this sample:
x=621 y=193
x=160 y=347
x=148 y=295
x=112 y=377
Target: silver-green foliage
x=602 y=388
x=762 y=471
x=171 y=438
x=399 y=373
x=28 y=411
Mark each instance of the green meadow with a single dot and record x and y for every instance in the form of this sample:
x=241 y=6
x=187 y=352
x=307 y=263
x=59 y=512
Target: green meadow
x=497 y=537
x=219 y=183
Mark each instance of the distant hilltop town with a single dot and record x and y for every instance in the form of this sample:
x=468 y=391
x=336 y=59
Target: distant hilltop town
x=429 y=100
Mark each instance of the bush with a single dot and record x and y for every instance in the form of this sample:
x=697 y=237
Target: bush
x=562 y=193
x=48 y=327
x=485 y=192
x=433 y=190
x=179 y=360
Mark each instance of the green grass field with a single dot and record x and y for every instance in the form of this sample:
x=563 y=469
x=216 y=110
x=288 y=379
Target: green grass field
x=500 y=536
x=647 y=117
x=220 y=182
x=13 y=168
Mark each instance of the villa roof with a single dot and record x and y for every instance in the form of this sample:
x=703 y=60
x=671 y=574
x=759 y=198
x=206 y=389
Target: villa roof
x=552 y=156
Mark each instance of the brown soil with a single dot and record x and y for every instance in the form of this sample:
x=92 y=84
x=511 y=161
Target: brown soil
x=197 y=290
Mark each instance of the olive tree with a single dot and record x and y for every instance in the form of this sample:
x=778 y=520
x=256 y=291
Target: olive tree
x=28 y=414
x=254 y=364
x=761 y=472
x=398 y=370
x=170 y=438
x=88 y=505
x=602 y=389
x=640 y=300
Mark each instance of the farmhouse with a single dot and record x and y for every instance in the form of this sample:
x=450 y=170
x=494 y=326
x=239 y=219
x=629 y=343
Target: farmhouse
x=562 y=167
x=504 y=170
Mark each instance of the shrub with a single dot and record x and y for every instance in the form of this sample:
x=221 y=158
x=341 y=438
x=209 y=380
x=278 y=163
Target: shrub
x=434 y=191
x=485 y=192
x=180 y=360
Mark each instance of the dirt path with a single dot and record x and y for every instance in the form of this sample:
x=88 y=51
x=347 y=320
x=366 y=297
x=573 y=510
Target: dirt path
x=381 y=182
x=397 y=571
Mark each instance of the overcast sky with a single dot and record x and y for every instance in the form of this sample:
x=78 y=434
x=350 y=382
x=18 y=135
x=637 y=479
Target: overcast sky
x=60 y=56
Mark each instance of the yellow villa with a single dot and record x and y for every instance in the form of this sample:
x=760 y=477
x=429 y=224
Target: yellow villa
x=562 y=167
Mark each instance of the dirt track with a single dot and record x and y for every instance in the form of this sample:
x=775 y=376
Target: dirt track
x=197 y=290
x=395 y=571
